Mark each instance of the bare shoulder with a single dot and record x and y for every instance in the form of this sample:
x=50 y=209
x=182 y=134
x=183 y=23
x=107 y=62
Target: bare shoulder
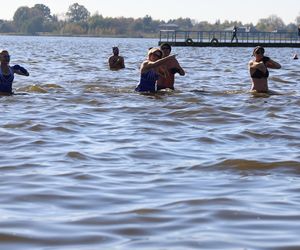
x=111 y=58
x=172 y=62
x=251 y=63
x=144 y=65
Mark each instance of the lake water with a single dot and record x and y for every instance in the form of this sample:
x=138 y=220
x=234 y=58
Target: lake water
x=86 y=163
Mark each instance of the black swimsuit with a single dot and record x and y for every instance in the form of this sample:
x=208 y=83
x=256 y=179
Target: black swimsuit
x=258 y=73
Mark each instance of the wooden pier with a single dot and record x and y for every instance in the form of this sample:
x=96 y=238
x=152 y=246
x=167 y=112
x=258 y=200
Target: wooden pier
x=224 y=39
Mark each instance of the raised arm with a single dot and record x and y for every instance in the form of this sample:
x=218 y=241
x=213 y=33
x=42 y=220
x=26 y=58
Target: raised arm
x=20 y=70
x=272 y=64
x=178 y=68
x=147 y=65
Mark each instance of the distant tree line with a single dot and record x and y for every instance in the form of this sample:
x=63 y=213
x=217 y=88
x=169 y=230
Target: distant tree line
x=39 y=20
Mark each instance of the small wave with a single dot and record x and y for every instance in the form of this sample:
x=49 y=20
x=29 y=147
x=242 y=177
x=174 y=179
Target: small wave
x=9 y=238
x=76 y=155
x=38 y=127
x=142 y=211
x=52 y=85
x=277 y=79
x=41 y=88
x=257 y=165
x=18 y=125
x=33 y=89
x=106 y=89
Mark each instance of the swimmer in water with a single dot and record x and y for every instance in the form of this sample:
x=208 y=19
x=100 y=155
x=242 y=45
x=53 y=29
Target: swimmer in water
x=258 y=68
x=115 y=61
x=172 y=67
x=151 y=69
x=7 y=73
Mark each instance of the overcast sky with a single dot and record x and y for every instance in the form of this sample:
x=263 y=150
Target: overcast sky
x=245 y=11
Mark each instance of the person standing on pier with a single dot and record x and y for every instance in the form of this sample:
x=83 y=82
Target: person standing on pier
x=172 y=67
x=234 y=34
x=258 y=68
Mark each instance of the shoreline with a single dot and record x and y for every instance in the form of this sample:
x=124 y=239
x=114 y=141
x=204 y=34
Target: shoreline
x=74 y=35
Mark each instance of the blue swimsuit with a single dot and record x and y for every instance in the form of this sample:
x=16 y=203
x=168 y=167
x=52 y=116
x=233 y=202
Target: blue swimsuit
x=6 y=81
x=147 y=81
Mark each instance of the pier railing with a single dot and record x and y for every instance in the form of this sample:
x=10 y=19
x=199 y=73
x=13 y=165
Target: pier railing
x=224 y=38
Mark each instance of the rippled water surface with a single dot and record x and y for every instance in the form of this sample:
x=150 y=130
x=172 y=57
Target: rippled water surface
x=86 y=163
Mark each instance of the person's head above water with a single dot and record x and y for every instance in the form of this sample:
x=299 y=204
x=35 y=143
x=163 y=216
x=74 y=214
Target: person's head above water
x=156 y=53
x=164 y=46
x=4 y=56
x=166 y=49
x=258 y=50
x=115 y=51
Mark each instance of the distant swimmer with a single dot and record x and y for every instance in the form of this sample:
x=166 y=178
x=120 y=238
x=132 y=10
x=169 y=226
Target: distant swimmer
x=7 y=73
x=115 y=61
x=295 y=57
x=258 y=68
x=172 y=67
x=151 y=69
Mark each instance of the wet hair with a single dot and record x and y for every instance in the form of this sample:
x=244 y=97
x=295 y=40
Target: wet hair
x=115 y=49
x=259 y=50
x=4 y=52
x=163 y=45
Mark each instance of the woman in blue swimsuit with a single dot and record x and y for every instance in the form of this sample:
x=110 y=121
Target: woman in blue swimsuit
x=7 y=73
x=258 y=68
x=151 y=69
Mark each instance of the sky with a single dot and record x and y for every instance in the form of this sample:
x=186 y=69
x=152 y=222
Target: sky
x=246 y=11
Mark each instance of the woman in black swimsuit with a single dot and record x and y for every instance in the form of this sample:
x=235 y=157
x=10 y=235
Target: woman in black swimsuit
x=258 y=68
